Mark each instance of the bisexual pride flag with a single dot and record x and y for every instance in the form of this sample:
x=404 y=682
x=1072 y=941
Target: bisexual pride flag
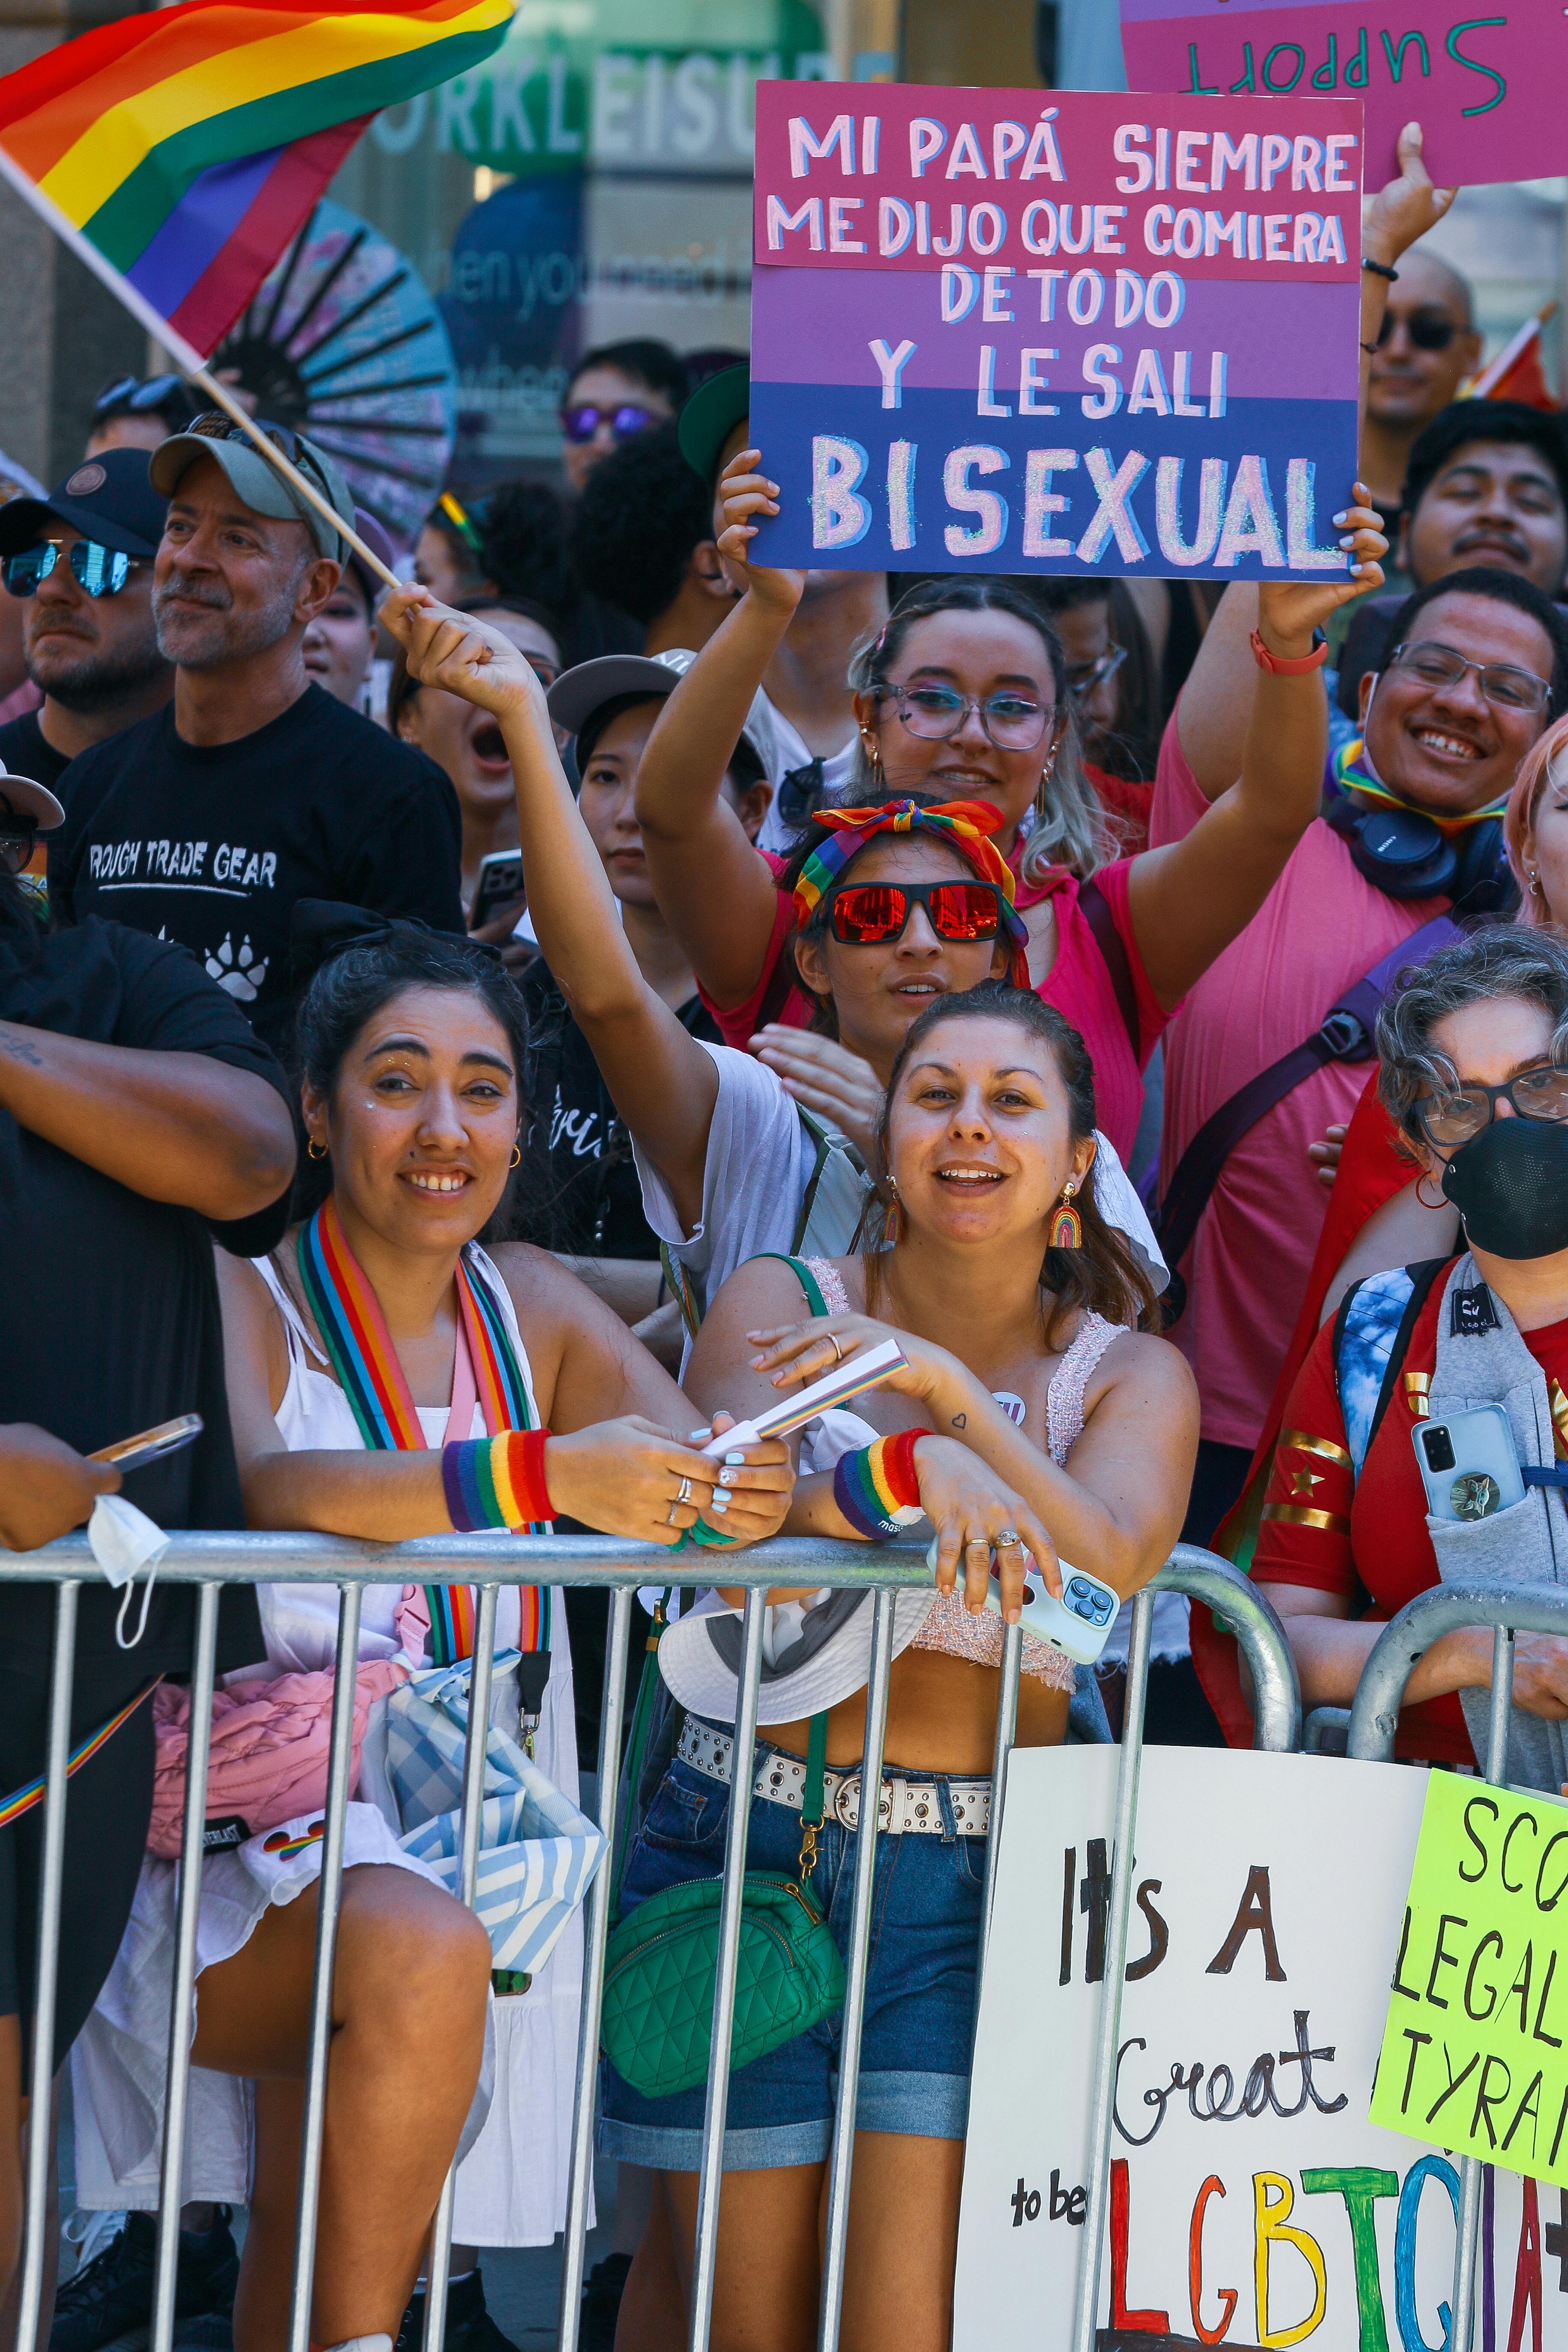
x=1024 y=331
x=178 y=151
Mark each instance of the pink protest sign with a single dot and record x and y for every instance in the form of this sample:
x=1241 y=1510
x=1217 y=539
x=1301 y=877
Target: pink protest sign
x=1480 y=86
x=1065 y=331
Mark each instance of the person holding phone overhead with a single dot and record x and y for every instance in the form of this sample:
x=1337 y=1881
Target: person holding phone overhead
x=141 y=1118
x=1473 y=1068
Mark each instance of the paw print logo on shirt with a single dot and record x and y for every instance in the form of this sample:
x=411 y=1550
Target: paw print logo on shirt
x=243 y=975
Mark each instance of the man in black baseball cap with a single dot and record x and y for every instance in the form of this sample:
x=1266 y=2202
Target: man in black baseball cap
x=82 y=563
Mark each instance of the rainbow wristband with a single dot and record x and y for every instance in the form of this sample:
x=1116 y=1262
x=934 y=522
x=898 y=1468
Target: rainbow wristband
x=495 y=1482
x=877 y=1489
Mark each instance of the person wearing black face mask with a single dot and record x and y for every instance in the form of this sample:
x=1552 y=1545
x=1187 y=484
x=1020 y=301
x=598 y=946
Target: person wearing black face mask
x=1473 y=1069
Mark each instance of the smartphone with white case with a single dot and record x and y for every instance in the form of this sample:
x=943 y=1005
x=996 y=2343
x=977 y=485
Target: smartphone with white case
x=1468 y=1463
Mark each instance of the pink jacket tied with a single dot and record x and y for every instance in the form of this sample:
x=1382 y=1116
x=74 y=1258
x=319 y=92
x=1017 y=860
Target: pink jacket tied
x=270 y=1747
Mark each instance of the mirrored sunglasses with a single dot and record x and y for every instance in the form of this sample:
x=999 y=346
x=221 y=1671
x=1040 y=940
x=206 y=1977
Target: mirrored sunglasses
x=18 y=835
x=874 y=914
x=99 y=570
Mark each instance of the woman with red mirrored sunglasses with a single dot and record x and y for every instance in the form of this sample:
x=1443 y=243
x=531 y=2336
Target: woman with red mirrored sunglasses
x=964 y=697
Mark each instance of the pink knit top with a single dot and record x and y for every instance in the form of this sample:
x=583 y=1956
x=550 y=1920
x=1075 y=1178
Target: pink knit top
x=977 y=1635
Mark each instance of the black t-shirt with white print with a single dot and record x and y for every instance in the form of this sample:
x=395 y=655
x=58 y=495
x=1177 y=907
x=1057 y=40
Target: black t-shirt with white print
x=211 y=845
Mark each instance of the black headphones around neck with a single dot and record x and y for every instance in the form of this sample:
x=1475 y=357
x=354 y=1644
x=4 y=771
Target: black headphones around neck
x=1406 y=855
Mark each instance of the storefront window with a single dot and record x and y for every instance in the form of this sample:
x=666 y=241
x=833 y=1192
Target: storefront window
x=591 y=181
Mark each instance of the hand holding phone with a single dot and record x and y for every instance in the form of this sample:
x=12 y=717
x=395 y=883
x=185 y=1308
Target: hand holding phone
x=151 y=1445
x=1079 y=1624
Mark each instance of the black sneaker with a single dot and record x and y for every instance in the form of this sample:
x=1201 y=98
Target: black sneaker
x=470 y=2328
x=109 y=2302
x=602 y=2303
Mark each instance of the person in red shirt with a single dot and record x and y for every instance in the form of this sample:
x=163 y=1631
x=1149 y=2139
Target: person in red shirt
x=1473 y=1070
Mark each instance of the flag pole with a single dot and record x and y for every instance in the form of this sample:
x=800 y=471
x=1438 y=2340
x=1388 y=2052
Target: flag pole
x=187 y=360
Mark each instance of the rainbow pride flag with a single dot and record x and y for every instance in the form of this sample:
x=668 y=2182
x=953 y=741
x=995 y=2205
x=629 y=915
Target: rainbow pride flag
x=178 y=151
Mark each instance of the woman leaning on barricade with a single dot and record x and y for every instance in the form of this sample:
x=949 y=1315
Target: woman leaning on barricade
x=1385 y=1481
x=1034 y=1417
x=389 y=1377
x=736 y=1185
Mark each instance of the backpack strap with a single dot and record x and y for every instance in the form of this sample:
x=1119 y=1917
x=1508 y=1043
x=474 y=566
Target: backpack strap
x=1344 y=1034
x=1095 y=908
x=824 y=1144
x=803 y=1276
x=1372 y=1332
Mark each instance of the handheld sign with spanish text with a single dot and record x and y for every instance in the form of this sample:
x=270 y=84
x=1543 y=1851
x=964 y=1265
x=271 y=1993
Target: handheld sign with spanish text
x=1083 y=336
x=1474 y=2054
x=1253 y=2200
x=1485 y=90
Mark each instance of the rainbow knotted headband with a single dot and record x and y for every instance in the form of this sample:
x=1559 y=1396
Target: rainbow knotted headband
x=966 y=825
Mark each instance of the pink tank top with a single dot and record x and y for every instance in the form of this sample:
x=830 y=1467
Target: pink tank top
x=952 y=1627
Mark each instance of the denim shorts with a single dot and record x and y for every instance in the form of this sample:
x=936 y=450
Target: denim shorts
x=919 y=1989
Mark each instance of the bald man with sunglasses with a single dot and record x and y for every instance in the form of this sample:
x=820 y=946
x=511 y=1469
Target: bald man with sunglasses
x=1426 y=346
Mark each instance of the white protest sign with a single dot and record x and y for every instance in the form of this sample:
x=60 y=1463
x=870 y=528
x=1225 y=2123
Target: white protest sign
x=1252 y=2204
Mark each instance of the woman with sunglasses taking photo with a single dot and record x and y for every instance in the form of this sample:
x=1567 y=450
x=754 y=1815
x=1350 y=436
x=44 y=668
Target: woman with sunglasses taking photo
x=963 y=696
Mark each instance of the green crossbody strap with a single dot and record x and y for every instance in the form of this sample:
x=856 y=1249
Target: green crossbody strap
x=813 y=1807
x=637 y=1745
x=805 y=1277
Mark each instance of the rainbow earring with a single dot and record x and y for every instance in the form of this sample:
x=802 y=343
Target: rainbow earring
x=1066 y=1225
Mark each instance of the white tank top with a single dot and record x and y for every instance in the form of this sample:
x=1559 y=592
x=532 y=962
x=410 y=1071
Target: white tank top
x=300 y=1621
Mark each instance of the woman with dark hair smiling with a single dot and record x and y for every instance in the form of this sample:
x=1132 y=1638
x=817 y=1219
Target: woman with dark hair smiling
x=388 y=1377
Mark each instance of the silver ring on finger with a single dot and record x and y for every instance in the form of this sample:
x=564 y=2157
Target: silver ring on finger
x=837 y=1351
x=682 y=1494
x=669 y=1515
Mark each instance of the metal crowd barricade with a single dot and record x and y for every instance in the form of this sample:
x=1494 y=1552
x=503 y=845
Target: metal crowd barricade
x=1374 y=1720
x=209 y=1561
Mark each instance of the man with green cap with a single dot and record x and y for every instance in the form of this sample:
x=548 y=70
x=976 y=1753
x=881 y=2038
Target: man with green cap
x=253 y=787
x=811 y=741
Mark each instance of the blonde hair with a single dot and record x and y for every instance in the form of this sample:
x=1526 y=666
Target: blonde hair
x=1519 y=817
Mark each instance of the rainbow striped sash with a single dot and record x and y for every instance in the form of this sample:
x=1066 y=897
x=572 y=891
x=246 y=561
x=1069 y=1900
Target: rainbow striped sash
x=23 y=1799
x=353 y=1331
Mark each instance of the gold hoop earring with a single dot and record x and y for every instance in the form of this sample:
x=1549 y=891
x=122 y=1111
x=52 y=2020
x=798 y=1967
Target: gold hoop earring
x=1440 y=1203
x=1067 y=1226
x=315 y=1150
x=1042 y=790
x=517 y=1155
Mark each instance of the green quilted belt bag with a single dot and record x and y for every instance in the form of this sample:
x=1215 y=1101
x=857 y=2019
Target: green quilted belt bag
x=662 y=1963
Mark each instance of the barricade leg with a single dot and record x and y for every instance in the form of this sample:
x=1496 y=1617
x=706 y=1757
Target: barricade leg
x=183 y=2001
x=51 y=1882
x=710 y=2177
x=842 y=2158
x=437 y=2258
x=1463 y=2322
x=596 y=1933
x=1115 y=1962
x=1006 y=1725
x=331 y=1888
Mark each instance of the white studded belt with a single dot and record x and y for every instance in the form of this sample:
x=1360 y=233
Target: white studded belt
x=907 y=1808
